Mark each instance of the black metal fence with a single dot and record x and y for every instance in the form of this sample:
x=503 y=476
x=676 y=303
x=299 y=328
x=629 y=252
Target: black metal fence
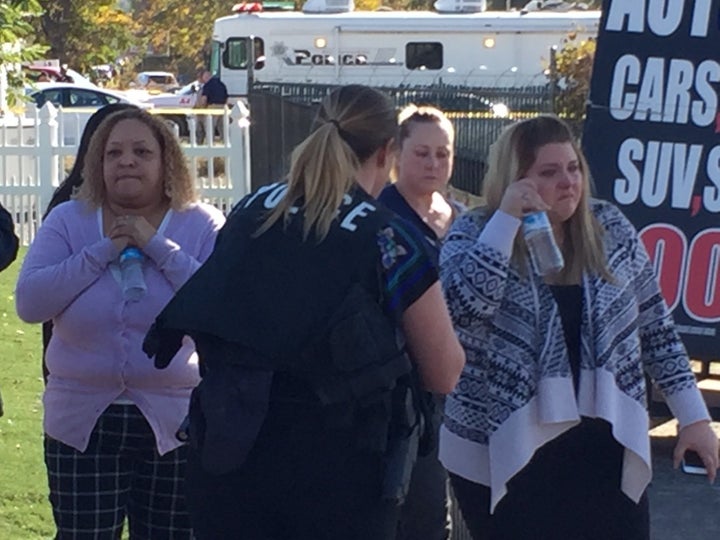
x=282 y=114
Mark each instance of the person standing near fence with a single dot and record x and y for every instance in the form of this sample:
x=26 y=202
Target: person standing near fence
x=9 y=245
x=423 y=166
x=546 y=434
x=213 y=95
x=304 y=425
x=69 y=187
x=110 y=418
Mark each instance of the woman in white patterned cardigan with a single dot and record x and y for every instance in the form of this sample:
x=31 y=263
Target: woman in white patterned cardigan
x=546 y=434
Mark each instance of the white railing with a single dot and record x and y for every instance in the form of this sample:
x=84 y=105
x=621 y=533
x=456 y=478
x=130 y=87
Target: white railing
x=38 y=150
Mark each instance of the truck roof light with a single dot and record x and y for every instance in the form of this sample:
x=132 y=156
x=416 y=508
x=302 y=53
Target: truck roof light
x=247 y=7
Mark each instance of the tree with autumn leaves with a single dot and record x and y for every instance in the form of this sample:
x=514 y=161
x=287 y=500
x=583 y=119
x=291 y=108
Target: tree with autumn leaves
x=83 y=33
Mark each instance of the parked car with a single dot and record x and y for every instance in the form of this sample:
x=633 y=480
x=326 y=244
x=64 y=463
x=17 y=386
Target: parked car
x=181 y=98
x=78 y=103
x=54 y=74
x=68 y=95
x=156 y=81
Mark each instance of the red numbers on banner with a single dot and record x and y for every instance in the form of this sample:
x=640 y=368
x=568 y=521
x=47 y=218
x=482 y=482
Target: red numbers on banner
x=690 y=275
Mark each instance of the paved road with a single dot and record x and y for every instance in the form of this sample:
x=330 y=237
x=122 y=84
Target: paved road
x=682 y=506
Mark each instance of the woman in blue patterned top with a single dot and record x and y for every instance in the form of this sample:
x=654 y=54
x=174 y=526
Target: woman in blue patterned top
x=546 y=433
x=425 y=153
x=424 y=150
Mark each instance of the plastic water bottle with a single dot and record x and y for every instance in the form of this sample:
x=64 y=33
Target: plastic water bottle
x=545 y=254
x=133 y=281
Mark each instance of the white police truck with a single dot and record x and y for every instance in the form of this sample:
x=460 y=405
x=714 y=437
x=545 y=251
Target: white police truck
x=329 y=43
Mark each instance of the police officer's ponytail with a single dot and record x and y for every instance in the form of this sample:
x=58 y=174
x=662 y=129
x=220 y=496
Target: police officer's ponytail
x=352 y=123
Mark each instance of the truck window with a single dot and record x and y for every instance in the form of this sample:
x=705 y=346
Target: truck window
x=235 y=55
x=215 y=53
x=424 y=54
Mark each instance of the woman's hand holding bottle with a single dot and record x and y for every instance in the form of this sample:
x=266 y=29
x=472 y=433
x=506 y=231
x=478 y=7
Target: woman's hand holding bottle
x=131 y=231
x=522 y=198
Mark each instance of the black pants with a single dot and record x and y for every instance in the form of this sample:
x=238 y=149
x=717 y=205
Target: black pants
x=570 y=490
x=424 y=515
x=119 y=474
x=302 y=480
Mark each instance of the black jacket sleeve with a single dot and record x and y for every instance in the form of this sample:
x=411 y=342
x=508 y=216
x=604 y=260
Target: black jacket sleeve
x=8 y=241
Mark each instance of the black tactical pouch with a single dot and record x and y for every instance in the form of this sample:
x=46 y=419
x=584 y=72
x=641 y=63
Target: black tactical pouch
x=227 y=411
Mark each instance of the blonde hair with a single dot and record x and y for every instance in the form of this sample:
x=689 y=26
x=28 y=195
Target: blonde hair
x=511 y=156
x=353 y=122
x=423 y=114
x=178 y=186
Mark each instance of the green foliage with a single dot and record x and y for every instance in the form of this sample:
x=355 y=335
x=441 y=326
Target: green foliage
x=408 y=5
x=83 y=33
x=181 y=28
x=501 y=5
x=573 y=73
x=17 y=43
x=367 y=5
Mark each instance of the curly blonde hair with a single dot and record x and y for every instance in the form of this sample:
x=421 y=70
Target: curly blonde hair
x=178 y=184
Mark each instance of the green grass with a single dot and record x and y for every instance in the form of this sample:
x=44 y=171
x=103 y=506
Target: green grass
x=24 y=509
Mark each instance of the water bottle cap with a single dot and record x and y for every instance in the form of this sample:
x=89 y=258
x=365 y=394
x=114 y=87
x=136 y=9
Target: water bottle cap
x=130 y=253
x=536 y=218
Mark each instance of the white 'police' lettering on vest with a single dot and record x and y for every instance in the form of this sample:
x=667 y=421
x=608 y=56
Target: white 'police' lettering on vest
x=361 y=210
x=259 y=192
x=275 y=196
x=274 y=193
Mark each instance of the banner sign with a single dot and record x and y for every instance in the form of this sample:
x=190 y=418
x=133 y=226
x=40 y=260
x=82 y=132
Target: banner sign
x=652 y=138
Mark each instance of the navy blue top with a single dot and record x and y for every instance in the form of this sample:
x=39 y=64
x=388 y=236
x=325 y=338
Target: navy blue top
x=215 y=91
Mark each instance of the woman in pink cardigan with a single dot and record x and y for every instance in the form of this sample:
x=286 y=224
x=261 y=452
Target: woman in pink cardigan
x=110 y=416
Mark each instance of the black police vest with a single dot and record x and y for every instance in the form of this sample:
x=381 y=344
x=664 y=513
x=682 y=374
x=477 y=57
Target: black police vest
x=308 y=308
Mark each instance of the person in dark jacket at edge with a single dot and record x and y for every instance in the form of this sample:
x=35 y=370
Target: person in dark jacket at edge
x=305 y=424
x=9 y=244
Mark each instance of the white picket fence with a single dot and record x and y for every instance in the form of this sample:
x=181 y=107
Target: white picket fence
x=37 y=151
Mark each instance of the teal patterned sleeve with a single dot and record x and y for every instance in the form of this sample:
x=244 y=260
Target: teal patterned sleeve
x=407 y=269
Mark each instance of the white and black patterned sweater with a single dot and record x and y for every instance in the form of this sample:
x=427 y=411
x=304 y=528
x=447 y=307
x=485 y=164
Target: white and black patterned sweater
x=516 y=391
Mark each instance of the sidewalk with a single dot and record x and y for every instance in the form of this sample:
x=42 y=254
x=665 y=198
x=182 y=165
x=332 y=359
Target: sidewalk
x=682 y=506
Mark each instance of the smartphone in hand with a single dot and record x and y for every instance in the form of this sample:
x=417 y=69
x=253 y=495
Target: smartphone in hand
x=692 y=464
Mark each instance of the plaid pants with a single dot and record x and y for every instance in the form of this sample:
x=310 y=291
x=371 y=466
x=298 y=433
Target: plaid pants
x=120 y=474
